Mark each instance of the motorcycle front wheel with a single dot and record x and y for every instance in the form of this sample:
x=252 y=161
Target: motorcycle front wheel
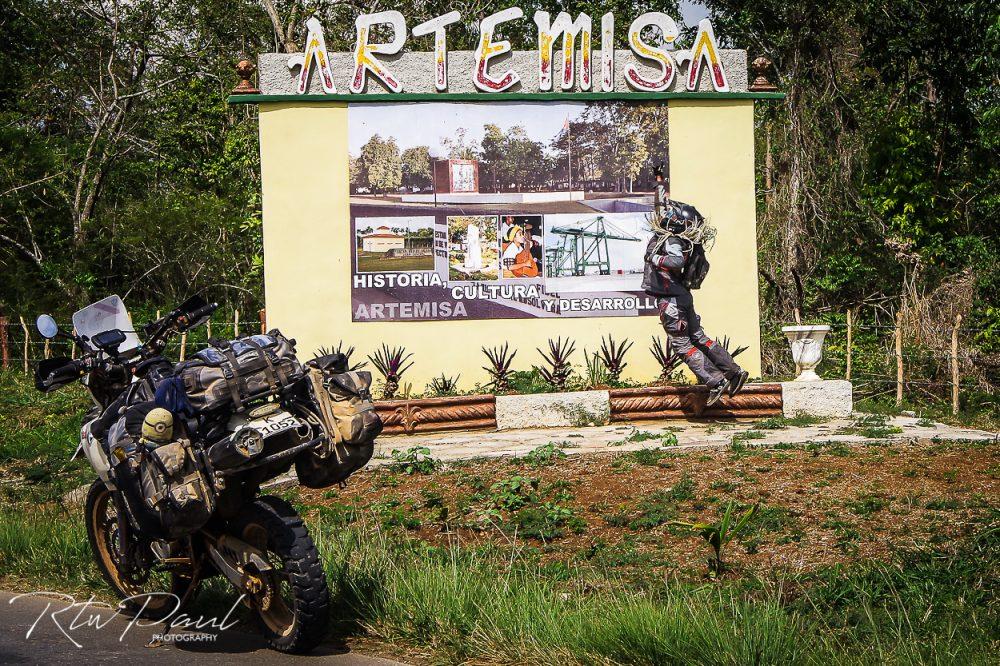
x=291 y=599
x=151 y=592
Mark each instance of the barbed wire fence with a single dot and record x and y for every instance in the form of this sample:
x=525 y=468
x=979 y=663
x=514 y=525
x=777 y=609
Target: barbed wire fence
x=21 y=346
x=879 y=359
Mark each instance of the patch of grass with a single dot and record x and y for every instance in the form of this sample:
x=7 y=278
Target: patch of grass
x=866 y=504
x=748 y=435
x=648 y=456
x=943 y=504
x=800 y=420
x=546 y=522
x=871 y=426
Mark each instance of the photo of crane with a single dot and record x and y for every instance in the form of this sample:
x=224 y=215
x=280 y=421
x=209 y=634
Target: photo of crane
x=595 y=253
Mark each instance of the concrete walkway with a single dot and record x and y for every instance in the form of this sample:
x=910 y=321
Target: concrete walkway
x=464 y=445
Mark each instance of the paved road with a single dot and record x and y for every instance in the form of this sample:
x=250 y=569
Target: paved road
x=115 y=641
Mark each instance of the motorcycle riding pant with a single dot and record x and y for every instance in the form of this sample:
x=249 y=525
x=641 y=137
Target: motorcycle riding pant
x=708 y=360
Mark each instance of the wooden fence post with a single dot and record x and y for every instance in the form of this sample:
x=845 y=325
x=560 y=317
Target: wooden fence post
x=184 y=342
x=263 y=321
x=47 y=349
x=4 y=350
x=236 y=323
x=208 y=328
x=899 y=359
x=954 y=365
x=850 y=339
x=27 y=339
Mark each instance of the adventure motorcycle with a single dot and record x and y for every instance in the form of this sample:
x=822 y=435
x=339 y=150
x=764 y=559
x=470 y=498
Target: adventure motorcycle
x=178 y=494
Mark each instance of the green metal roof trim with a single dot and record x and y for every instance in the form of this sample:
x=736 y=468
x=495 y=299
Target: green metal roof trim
x=500 y=97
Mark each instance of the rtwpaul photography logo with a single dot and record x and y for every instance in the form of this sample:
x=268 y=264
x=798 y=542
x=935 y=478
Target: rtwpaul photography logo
x=79 y=617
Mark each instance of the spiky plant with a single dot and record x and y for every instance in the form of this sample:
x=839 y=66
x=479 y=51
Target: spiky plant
x=724 y=341
x=500 y=360
x=391 y=364
x=559 y=368
x=612 y=354
x=665 y=356
x=444 y=385
x=597 y=372
x=720 y=533
x=324 y=351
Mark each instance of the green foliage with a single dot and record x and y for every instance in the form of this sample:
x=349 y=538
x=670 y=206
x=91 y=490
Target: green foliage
x=414 y=460
x=380 y=166
x=513 y=493
x=544 y=455
x=720 y=533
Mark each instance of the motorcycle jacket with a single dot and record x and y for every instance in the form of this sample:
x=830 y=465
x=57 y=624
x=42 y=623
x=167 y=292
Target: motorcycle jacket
x=663 y=273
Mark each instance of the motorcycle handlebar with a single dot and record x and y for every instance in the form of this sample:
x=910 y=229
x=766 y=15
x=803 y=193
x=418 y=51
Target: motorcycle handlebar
x=69 y=371
x=202 y=312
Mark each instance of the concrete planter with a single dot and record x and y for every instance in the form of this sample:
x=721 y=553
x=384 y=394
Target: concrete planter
x=581 y=408
x=807 y=349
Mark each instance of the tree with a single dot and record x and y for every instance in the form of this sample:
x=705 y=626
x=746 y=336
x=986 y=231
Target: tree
x=417 y=167
x=460 y=148
x=380 y=166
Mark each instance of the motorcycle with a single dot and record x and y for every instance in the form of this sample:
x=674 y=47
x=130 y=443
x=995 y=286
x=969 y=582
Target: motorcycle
x=258 y=543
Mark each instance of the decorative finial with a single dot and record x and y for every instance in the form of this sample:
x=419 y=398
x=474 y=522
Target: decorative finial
x=245 y=70
x=761 y=83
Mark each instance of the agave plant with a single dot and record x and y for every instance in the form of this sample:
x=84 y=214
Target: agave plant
x=720 y=533
x=558 y=361
x=391 y=363
x=444 y=385
x=324 y=351
x=613 y=356
x=665 y=356
x=724 y=341
x=500 y=360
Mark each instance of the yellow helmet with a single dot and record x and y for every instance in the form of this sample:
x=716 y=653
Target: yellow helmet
x=158 y=426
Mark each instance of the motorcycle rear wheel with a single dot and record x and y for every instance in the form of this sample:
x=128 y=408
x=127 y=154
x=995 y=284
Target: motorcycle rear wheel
x=147 y=592
x=294 y=605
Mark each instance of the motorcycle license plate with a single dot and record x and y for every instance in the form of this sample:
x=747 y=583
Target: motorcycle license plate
x=275 y=423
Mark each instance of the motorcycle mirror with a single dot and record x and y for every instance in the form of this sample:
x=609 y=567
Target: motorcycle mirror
x=47 y=326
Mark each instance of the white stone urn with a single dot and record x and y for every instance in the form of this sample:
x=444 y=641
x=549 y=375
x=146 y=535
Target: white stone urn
x=807 y=349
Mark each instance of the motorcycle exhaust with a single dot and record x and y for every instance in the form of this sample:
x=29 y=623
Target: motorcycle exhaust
x=239 y=448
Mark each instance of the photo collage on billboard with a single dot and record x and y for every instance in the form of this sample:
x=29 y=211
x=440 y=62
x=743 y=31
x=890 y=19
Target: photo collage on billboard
x=502 y=210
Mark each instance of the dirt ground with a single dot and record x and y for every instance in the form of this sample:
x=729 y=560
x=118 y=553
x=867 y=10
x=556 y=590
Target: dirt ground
x=818 y=505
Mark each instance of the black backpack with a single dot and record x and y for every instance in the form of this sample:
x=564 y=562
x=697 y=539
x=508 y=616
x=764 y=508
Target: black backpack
x=696 y=268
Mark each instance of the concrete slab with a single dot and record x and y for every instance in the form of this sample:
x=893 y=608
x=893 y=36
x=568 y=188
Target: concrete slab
x=828 y=398
x=577 y=408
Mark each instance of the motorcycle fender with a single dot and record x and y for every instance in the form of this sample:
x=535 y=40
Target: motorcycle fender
x=95 y=455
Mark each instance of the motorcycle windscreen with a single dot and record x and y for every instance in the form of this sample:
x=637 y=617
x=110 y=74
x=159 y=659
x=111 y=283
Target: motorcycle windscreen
x=105 y=315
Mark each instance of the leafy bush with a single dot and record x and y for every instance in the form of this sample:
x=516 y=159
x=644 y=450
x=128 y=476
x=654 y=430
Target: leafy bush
x=414 y=460
x=546 y=454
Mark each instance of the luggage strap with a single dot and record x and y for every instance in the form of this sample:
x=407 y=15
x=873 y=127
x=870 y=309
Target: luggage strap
x=326 y=410
x=268 y=366
x=232 y=378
